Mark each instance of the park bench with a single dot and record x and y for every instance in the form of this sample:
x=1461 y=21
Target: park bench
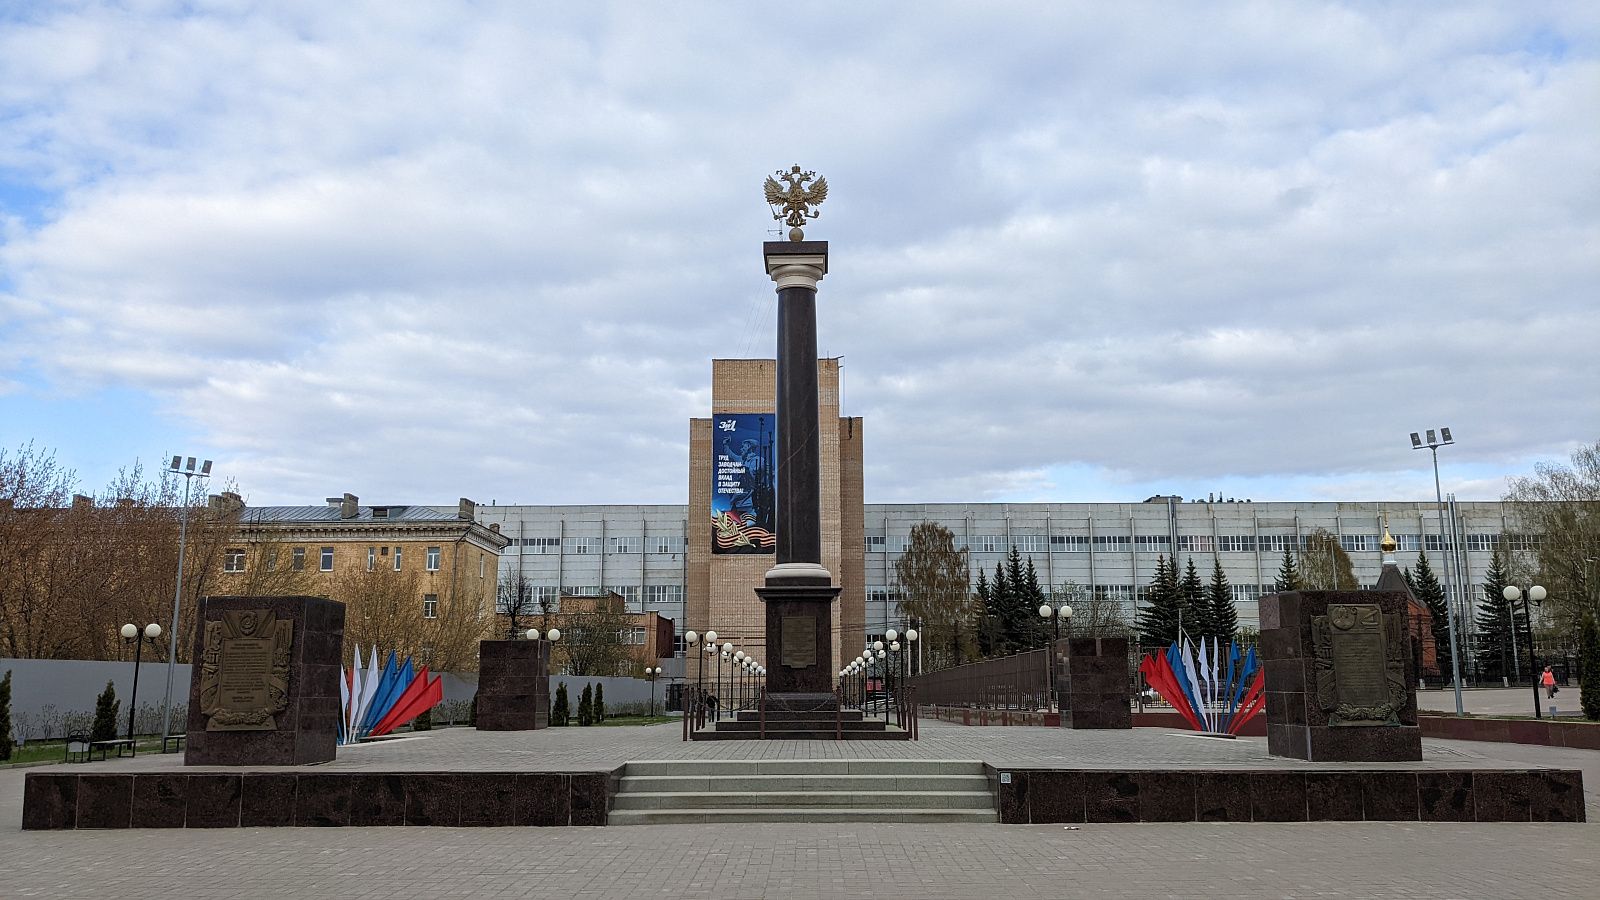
x=118 y=744
x=174 y=742
x=77 y=745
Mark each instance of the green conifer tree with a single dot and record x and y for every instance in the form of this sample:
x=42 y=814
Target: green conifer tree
x=1020 y=613
x=1000 y=596
x=423 y=721
x=599 y=703
x=586 y=706
x=1288 y=574
x=1589 y=653
x=1499 y=626
x=988 y=620
x=1219 y=597
x=5 y=716
x=1196 y=612
x=472 y=711
x=560 y=707
x=1427 y=588
x=1035 y=598
x=105 y=715
x=1158 y=621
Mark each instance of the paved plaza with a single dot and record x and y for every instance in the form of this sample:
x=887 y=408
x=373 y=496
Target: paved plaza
x=1502 y=701
x=1371 y=859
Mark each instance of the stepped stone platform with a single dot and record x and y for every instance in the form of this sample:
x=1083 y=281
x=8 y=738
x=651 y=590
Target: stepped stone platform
x=574 y=776
x=801 y=717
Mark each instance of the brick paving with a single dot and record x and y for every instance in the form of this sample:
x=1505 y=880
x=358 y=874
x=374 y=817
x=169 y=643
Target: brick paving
x=804 y=861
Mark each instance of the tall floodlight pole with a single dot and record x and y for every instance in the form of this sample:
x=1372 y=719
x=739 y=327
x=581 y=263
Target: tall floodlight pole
x=185 y=467
x=1434 y=442
x=798 y=591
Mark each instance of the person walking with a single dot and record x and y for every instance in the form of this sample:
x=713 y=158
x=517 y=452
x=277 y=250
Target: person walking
x=1548 y=679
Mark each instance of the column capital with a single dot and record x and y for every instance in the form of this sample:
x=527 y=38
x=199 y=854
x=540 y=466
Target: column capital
x=796 y=263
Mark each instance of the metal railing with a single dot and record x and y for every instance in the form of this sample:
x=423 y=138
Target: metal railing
x=1021 y=681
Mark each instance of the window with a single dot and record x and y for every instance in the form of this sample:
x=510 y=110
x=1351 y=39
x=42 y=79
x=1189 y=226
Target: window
x=297 y=559
x=1435 y=543
x=666 y=543
x=627 y=544
x=1236 y=543
x=1408 y=542
x=899 y=543
x=1245 y=593
x=233 y=559
x=1070 y=543
x=372 y=558
x=397 y=558
x=1277 y=543
x=988 y=543
x=663 y=593
x=1483 y=542
x=628 y=592
x=541 y=545
x=876 y=543
x=271 y=559
x=633 y=636
x=585 y=590
x=327 y=559
x=430 y=606
x=583 y=545
x=1524 y=542
x=1031 y=543
x=545 y=594
x=1107 y=543
x=1196 y=543
x=1356 y=543
x=480 y=565
x=433 y=559
x=380 y=512
x=1152 y=543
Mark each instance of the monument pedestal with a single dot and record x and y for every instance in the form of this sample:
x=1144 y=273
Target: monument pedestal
x=1339 y=676
x=513 y=685
x=799 y=639
x=265 y=684
x=1092 y=682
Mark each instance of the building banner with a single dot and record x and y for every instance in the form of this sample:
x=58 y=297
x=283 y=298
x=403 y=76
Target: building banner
x=742 y=496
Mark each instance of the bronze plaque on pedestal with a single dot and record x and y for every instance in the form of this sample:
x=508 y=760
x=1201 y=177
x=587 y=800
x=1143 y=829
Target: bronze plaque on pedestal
x=1360 y=667
x=244 y=670
x=798 y=649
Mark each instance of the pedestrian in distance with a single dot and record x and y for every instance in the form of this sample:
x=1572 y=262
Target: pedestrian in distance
x=1548 y=679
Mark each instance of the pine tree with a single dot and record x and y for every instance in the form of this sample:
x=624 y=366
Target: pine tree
x=105 y=715
x=472 y=711
x=599 y=703
x=1158 y=621
x=1288 y=574
x=561 y=707
x=1035 y=599
x=1219 y=596
x=1000 y=599
x=586 y=706
x=1427 y=588
x=423 y=721
x=5 y=716
x=988 y=643
x=1500 y=630
x=1020 y=610
x=1196 y=612
x=1589 y=655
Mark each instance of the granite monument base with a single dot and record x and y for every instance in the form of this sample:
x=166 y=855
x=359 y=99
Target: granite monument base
x=1092 y=682
x=1339 y=677
x=513 y=685
x=265 y=687
x=799 y=638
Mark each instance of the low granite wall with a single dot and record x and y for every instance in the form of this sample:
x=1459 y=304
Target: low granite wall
x=1038 y=796
x=269 y=799
x=1544 y=732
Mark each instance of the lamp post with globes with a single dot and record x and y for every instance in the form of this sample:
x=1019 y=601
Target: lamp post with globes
x=1536 y=594
x=736 y=673
x=651 y=672
x=725 y=656
x=131 y=632
x=552 y=636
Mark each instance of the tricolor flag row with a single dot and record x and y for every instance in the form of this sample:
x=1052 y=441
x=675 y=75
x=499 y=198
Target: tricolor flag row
x=376 y=699
x=1215 y=689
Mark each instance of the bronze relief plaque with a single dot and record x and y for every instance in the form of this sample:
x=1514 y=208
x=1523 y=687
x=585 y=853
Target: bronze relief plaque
x=244 y=670
x=798 y=649
x=1360 y=665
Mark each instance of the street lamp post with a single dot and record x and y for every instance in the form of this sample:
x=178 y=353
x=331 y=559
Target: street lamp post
x=131 y=632
x=1434 y=442
x=1536 y=594
x=185 y=467
x=651 y=672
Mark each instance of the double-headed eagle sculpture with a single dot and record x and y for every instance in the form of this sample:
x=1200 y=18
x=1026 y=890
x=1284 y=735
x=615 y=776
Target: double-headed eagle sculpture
x=794 y=204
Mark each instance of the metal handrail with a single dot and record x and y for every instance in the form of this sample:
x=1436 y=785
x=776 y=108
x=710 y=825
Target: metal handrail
x=763 y=713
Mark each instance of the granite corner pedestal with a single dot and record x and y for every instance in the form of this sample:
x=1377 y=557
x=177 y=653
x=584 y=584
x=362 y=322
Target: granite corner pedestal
x=1339 y=676
x=265 y=684
x=513 y=685
x=1092 y=682
x=799 y=620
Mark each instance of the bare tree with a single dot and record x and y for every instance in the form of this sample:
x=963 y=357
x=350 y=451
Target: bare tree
x=592 y=640
x=1324 y=564
x=1558 y=512
x=388 y=610
x=1093 y=615
x=936 y=593
x=515 y=600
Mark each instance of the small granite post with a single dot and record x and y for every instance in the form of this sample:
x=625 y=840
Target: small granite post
x=1092 y=682
x=265 y=684
x=1339 y=677
x=513 y=685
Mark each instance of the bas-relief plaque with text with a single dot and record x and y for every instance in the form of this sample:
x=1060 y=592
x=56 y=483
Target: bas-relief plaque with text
x=798 y=649
x=1360 y=665
x=244 y=670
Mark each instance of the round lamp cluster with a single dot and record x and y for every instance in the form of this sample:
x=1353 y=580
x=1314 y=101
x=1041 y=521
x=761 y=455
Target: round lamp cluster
x=532 y=634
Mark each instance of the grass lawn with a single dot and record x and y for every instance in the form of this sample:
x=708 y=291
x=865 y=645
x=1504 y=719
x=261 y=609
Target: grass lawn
x=635 y=720
x=55 y=751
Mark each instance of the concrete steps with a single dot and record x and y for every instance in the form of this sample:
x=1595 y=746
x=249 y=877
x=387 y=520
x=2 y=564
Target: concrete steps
x=833 y=790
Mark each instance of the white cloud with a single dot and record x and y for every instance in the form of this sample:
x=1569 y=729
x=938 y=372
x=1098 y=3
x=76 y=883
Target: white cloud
x=417 y=252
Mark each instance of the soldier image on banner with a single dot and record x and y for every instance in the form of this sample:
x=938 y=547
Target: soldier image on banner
x=742 y=495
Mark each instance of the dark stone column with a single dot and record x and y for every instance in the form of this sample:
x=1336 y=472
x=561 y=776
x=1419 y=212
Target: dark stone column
x=1093 y=683
x=513 y=685
x=306 y=730
x=798 y=592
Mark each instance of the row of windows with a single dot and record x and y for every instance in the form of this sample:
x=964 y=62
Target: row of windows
x=585 y=545
x=1201 y=543
x=233 y=559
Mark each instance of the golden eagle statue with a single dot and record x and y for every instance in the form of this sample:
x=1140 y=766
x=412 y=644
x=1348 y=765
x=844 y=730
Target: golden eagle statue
x=795 y=203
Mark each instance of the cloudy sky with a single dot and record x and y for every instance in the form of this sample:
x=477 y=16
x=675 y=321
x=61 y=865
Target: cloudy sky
x=1079 y=251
